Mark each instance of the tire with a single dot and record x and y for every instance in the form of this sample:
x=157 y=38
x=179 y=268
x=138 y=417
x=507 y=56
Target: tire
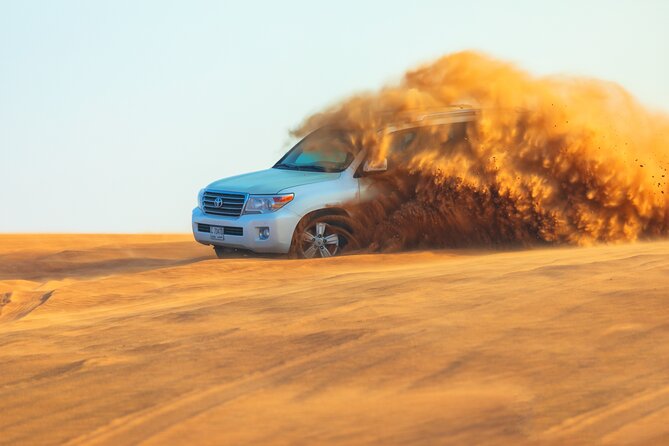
x=322 y=236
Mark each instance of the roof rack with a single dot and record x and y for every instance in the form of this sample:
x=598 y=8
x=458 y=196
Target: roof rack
x=436 y=116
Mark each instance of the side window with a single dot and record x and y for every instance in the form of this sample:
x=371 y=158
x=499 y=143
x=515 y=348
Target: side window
x=453 y=138
x=448 y=138
x=457 y=132
x=402 y=142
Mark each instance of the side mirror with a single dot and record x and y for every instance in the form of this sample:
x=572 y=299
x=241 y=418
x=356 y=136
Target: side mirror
x=375 y=166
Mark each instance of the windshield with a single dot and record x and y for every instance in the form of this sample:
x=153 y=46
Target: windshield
x=325 y=150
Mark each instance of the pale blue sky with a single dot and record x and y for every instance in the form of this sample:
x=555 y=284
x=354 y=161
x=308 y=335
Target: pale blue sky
x=114 y=114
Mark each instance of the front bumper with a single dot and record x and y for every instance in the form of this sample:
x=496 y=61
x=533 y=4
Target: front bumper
x=281 y=226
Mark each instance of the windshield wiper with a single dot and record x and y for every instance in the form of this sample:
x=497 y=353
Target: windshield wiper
x=312 y=167
x=308 y=167
x=285 y=166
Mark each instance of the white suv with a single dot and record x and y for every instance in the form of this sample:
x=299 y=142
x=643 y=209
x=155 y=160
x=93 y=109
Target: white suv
x=298 y=206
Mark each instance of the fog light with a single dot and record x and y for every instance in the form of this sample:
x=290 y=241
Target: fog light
x=263 y=233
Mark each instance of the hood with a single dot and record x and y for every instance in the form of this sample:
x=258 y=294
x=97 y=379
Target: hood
x=271 y=181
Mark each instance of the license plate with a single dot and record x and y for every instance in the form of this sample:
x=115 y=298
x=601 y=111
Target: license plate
x=216 y=233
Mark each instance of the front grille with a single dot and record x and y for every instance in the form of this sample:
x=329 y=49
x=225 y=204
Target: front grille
x=230 y=205
x=227 y=230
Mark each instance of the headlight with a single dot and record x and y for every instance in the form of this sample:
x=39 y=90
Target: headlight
x=200 y=195
x=262 y=204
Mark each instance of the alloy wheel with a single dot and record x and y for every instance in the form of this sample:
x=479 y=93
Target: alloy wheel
x=320 y=240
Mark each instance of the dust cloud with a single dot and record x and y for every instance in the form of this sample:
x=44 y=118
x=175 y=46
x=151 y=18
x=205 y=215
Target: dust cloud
x=548 y=160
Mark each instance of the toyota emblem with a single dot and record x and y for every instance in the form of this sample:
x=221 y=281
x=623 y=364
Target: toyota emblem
x=218 y=202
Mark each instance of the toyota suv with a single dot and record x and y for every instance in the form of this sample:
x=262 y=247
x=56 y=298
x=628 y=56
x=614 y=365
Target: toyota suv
x=298 y=206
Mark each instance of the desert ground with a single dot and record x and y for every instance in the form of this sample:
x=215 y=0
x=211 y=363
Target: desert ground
x=126 y=339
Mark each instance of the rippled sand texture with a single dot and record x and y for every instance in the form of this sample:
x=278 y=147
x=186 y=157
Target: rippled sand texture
x=125 y=339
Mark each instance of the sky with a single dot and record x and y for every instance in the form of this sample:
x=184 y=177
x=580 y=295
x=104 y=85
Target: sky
x=114 y=114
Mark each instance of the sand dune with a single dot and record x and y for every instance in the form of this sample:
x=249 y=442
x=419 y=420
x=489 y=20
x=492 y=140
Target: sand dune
x=128 y=339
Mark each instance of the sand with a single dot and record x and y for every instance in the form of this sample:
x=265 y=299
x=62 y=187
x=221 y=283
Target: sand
x=125 y=339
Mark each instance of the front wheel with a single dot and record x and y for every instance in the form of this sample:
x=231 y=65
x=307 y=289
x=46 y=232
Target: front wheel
x=325 y=236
